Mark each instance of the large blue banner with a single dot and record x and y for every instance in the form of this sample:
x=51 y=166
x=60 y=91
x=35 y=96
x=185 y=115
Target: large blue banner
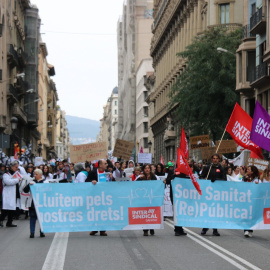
x=104 y=206
x=225 y=205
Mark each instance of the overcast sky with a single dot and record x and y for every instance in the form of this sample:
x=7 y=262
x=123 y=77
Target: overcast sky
x=82 y=44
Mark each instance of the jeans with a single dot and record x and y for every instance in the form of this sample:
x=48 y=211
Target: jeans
x=33 y=219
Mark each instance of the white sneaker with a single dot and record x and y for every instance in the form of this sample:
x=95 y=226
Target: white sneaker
x=246 y=234
x=250 y=234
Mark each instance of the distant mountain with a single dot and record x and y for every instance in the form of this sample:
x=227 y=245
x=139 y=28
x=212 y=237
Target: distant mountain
x=82 y=130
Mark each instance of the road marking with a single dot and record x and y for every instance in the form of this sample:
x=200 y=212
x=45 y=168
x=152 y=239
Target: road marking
x=200 y=241
x=55 y=258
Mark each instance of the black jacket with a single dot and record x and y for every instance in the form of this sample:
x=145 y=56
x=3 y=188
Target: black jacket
x=217 y=173
x=93 y=175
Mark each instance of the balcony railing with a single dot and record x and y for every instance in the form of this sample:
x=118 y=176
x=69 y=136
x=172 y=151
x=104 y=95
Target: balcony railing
x=17 y=111
x=22 y=56
x=259 y=75
x=246 y=32
x=12 y=57
x=257 y=22
x=13 y=92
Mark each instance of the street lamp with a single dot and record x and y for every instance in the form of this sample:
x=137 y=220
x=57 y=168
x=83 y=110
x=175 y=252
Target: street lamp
x=39 y=149
x=149 y=146
x=220 y=50
x=14 y=122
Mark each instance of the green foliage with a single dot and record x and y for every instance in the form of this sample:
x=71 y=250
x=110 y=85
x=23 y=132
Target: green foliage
x=205 y=91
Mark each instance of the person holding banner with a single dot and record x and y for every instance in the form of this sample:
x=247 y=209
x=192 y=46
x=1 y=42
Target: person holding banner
x=251 y=176
x=147 y=175
x=265 y=177
x=38 y=179
x=10 y=193
x=213 y=172
x=98 y=175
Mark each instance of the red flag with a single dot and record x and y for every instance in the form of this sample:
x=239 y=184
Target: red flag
x=161 y=160
x=185 y=167
x=16 y=150
x=181 y=168
x=239 y=127
x=141 y=150
x=184 y=144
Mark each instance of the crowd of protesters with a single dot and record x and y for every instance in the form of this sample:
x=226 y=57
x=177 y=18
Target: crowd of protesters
x=64 y=172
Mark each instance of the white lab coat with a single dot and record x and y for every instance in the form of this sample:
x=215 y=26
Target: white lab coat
x=9 y=192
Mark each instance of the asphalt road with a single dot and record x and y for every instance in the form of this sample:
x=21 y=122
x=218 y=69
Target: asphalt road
x=131 y=250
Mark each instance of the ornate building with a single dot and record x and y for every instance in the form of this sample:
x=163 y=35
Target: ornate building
x=19 y=47
x=176 y=22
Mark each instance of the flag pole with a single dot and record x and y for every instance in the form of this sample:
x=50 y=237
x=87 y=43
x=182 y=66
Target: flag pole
x=216 y=152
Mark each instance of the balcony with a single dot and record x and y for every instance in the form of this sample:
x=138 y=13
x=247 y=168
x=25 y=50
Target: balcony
x=18 y=112
x=12 y=93
x=21 y=86
x=246 y=35
x=22 y=57
x=12 y=57
x=258 y=22
x=36 y=134
x=260 y=76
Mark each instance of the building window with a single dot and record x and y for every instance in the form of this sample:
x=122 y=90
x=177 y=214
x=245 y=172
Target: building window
x=224 y=12
x=145 y=127
x=145 y=142
x=251 y=63
x=145 y=95
x=115 y=102
x=115 y=111
x=253 y=9
x=145 y=111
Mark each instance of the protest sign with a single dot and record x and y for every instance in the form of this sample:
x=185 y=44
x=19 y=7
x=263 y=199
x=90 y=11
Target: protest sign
x=227 y=146
x=105 y=206
x=38 y=161
x=145 y=158
x=259 y=163
x=198 y=142
x=167 y=208
x=129 y=171
x=223 y=205
x=208 y=152
x=89 y=152
x=123 y=149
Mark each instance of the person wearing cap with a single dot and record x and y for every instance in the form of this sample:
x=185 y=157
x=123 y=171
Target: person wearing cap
x=178 y=230
x=10 y=194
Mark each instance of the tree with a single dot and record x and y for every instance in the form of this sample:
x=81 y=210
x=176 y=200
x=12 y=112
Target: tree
x=205 y=91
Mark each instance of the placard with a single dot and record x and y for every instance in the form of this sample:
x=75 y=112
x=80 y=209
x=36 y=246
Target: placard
x=38 y=161
x=145 y=158
x=227 y=146
x=208 y=152
x=89 y=152
x=198 y=142
x=259 y=163
x=123 y=149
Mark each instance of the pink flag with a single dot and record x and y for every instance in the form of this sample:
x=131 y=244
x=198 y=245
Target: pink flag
x=141 y=150
x=161 y=160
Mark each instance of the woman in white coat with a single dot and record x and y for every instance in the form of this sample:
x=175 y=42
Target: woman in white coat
x=80 y=172
x=10 y=193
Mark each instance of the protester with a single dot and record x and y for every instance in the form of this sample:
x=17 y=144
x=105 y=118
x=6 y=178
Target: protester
x=98 y=175
x=252 y=176
x=178 y=230
x=236 y=173
x=265 y=177
x=229 y=171
x=30 y=170
x=213 y=172
x=136 y=174
x=80 y=173
x=46 y=174
x=160 y=170
x=131 y=164
x=117 y=170
x=147 y=174
x=10 y=194
x=38 y=179
x=153 y=168
x=72 y=171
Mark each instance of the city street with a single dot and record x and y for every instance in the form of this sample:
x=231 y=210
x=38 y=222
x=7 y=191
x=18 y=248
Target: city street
x=131 y=250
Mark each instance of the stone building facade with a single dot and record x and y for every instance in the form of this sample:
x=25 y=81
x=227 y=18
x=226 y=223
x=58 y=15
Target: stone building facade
x=19 y=47
x=175 y=24
x=133 y=40
x=253 y=57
